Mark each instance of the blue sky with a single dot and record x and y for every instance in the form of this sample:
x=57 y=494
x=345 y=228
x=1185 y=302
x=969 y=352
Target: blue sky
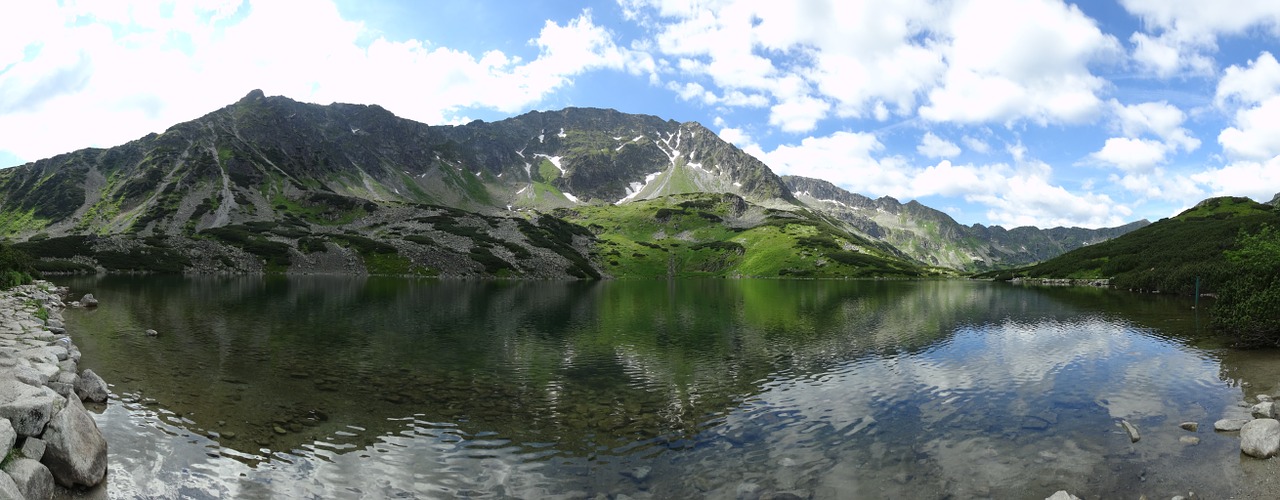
x=1026 y=112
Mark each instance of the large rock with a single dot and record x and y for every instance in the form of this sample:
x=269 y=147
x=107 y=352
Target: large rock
x=1229 y=424
x=91 y=387
x=8 y=488
x=1062 y=495
x=1260 y=438
x=1265 y=409
x=8 y=436
x=75 y=450
x=88 y=300
x=28 y=408
x=32 y=477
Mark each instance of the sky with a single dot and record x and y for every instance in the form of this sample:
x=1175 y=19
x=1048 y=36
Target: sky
x=1009 y=112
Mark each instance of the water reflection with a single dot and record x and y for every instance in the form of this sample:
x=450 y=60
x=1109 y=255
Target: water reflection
x=341 y=386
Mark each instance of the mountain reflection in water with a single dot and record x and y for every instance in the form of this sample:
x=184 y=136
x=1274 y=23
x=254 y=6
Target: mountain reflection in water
x=341 y=386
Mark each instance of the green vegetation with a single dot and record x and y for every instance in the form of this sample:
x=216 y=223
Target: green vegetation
x=1229 y=245
x=275 y=255
x=701 y=235
x=1248 y=306
x=15 y=267
x=1166 y=256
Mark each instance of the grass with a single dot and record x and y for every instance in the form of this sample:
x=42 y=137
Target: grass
x=686 y=235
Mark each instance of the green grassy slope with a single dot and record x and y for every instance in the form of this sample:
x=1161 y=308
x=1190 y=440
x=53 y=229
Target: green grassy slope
x=1168 y=255
x=721 y=235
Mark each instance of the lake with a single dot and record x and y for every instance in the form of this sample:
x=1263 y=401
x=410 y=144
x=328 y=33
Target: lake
x=346 y=387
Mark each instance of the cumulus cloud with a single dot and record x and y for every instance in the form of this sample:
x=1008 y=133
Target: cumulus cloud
x=1255 y=134
x=123 y=70
x=1014 y=195
x=933 y=146
x=1035 y=69
x=1251 y=84
x=1180 y=34
x=1259 y=180
x=1152 y=131
x=961 y=60
x=1255 y=130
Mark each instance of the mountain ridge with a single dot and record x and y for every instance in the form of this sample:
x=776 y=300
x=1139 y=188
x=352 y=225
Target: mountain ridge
x=294 y=168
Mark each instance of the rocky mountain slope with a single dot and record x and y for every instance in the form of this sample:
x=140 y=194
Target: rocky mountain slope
x=275 y=185
x=934 y=238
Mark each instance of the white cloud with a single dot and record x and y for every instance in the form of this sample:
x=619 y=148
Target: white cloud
x=976 y=145
x=1186 y=30
x=844 y=158
x=1134 y=153
x=123 y=70
x=1255 y=134
x=1250 y=85
x=799 y=114
x=1161 y=119
x=1259 y=180
x=1035 y=68
x=1255 y=130
x=877 y=59
x=933 y=146
x=1131 y=154
x=1014 y=195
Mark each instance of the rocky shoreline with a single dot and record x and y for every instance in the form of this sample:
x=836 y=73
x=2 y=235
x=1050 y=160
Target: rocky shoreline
x=47 y=437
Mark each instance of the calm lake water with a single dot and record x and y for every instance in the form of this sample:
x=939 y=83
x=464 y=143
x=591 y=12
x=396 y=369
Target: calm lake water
x=340 y=387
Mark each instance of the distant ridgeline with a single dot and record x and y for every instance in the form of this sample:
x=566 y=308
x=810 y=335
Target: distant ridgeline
x=1228 y=247
x=272 y=185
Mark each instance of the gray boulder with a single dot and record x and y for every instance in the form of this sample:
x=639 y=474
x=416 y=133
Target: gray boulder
x=1229 y=424
x=8 y=488
x=1265 y=409
x=28 y=408
x=91 y=387
x=75 y=450
x=7 y=436
x=32 y=478
x=88 y=300
x=1062 y=495
x=1260 y=438
x=33 y=448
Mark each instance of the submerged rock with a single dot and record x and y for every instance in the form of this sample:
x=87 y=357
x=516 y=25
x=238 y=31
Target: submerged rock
x=1131 y=430
x=1260 y=438
x=75 y=450
x=1190 y=426
x=1229 y=424
x=152 y=333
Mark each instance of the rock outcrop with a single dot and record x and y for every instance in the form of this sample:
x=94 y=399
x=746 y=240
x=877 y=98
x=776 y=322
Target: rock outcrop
x=41 y=415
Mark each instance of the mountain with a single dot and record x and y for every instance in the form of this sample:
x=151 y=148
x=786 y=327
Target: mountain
x=933 y=237
x=268 y=184
x=1169 y=255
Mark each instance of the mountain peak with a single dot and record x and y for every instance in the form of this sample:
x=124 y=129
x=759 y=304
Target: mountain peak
x=253 y=95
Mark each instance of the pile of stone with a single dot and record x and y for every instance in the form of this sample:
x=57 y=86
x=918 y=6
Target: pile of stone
x=1259 y=431
x=46 y=435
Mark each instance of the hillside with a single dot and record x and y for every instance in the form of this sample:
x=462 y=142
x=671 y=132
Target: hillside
x=933 y=237
x=268 y=184
x=1168 y=255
